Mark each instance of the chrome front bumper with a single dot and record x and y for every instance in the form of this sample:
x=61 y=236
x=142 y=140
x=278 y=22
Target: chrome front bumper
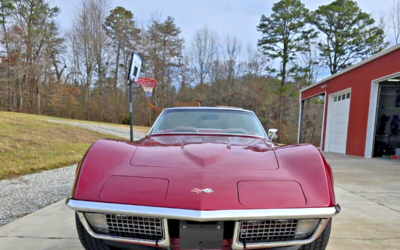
x=202 y=216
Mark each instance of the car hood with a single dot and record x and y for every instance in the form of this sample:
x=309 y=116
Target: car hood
x=207 y=171
x=205 y=152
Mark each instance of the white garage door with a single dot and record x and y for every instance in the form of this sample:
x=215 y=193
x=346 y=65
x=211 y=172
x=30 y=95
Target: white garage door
x=339 y=121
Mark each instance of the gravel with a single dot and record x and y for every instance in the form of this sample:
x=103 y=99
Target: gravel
x=29 y=193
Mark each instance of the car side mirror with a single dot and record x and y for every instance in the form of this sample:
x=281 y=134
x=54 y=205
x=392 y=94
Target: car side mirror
x=272 y=132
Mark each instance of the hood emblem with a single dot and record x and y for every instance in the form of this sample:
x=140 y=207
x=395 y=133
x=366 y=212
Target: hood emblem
x=199 y=191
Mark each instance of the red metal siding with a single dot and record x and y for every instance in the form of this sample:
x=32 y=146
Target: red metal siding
x=359 y=80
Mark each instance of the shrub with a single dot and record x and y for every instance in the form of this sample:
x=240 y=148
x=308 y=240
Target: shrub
x=126 y=119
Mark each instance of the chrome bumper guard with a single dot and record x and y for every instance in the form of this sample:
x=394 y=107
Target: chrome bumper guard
x=202 y=216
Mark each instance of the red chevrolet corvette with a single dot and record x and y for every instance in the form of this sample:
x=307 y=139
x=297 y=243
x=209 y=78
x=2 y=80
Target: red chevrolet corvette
x=203 y=178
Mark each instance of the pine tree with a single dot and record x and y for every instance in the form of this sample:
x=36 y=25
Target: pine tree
x=164 y=51
x=121 y=28
x=285 y=34
x=350 y=34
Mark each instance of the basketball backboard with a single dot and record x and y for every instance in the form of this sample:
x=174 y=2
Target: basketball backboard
x=136 y=64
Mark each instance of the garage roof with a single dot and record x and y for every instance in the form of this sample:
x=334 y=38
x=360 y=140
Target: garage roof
x=376 y=56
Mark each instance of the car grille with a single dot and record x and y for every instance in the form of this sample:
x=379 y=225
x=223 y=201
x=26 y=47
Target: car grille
x=267 y=231
x=135 y=227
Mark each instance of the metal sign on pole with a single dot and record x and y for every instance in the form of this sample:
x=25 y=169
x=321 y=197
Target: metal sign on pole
x=134 y=72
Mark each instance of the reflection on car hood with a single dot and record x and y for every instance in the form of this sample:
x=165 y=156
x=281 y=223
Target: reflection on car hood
x=211 y=152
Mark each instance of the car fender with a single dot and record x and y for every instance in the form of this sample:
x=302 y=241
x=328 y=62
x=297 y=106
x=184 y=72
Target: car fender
x=98 y=164
x=309 y=167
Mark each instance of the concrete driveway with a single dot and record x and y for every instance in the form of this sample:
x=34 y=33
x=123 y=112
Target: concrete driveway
x=367 y=189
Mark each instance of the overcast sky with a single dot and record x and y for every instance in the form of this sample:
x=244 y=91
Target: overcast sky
x=234 y=17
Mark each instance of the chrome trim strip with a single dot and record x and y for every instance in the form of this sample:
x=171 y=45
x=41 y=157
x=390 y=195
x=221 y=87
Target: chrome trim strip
x=213 y=108
x=236 y=245
x=197 y=215
x=165 y=243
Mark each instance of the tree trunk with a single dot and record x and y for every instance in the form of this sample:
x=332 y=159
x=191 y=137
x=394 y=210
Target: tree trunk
x=100 y=72
x=117 y=69
x=163 y=71
x=87 y=99
x=20 y=97
x=8 y=62
x=283 y=80
x=38 y=101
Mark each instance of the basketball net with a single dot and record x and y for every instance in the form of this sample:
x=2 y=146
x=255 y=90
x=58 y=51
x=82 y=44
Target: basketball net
x=147 y=84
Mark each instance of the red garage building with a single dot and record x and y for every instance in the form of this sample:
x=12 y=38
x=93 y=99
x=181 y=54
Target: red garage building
x=360 y=107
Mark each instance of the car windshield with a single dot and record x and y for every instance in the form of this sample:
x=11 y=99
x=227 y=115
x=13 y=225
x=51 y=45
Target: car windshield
x=208 y=121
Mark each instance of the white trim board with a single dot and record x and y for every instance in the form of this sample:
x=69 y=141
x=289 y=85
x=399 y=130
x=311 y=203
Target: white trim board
x=372 y=113
x=323 y=122
x=374 y=57
x=300 y=120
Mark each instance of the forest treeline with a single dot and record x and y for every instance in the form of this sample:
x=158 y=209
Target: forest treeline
x=81 y=73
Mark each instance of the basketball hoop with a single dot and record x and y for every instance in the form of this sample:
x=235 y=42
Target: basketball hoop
x=147 y=84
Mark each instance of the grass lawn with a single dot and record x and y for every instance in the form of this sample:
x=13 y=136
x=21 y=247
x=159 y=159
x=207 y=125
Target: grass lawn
x=30 y=144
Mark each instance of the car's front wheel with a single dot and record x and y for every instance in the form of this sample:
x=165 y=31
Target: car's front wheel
x=87 y=241
x=322 y=241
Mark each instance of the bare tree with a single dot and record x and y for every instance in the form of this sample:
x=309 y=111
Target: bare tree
x=36 y=18
x=98 y=11
x=233 y=67
x=309 y=66
x=88 y=43
x=203 y=51
x=394 y=17
x=81 y=44
x=256 y=62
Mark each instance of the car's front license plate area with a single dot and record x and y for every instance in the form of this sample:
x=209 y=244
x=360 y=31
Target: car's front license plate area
x=193 y=235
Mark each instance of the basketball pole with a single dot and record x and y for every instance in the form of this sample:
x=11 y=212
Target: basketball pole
x=130 y=111
x=133 y=75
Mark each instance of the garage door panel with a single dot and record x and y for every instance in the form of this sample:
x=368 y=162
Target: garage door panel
x=339 y=120
x=339 y=126
x=340 y=111
x=338 y=141
x=337 y=148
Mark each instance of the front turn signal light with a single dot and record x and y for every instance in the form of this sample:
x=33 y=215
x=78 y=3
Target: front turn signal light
x=306 y=228
x=98 y=222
